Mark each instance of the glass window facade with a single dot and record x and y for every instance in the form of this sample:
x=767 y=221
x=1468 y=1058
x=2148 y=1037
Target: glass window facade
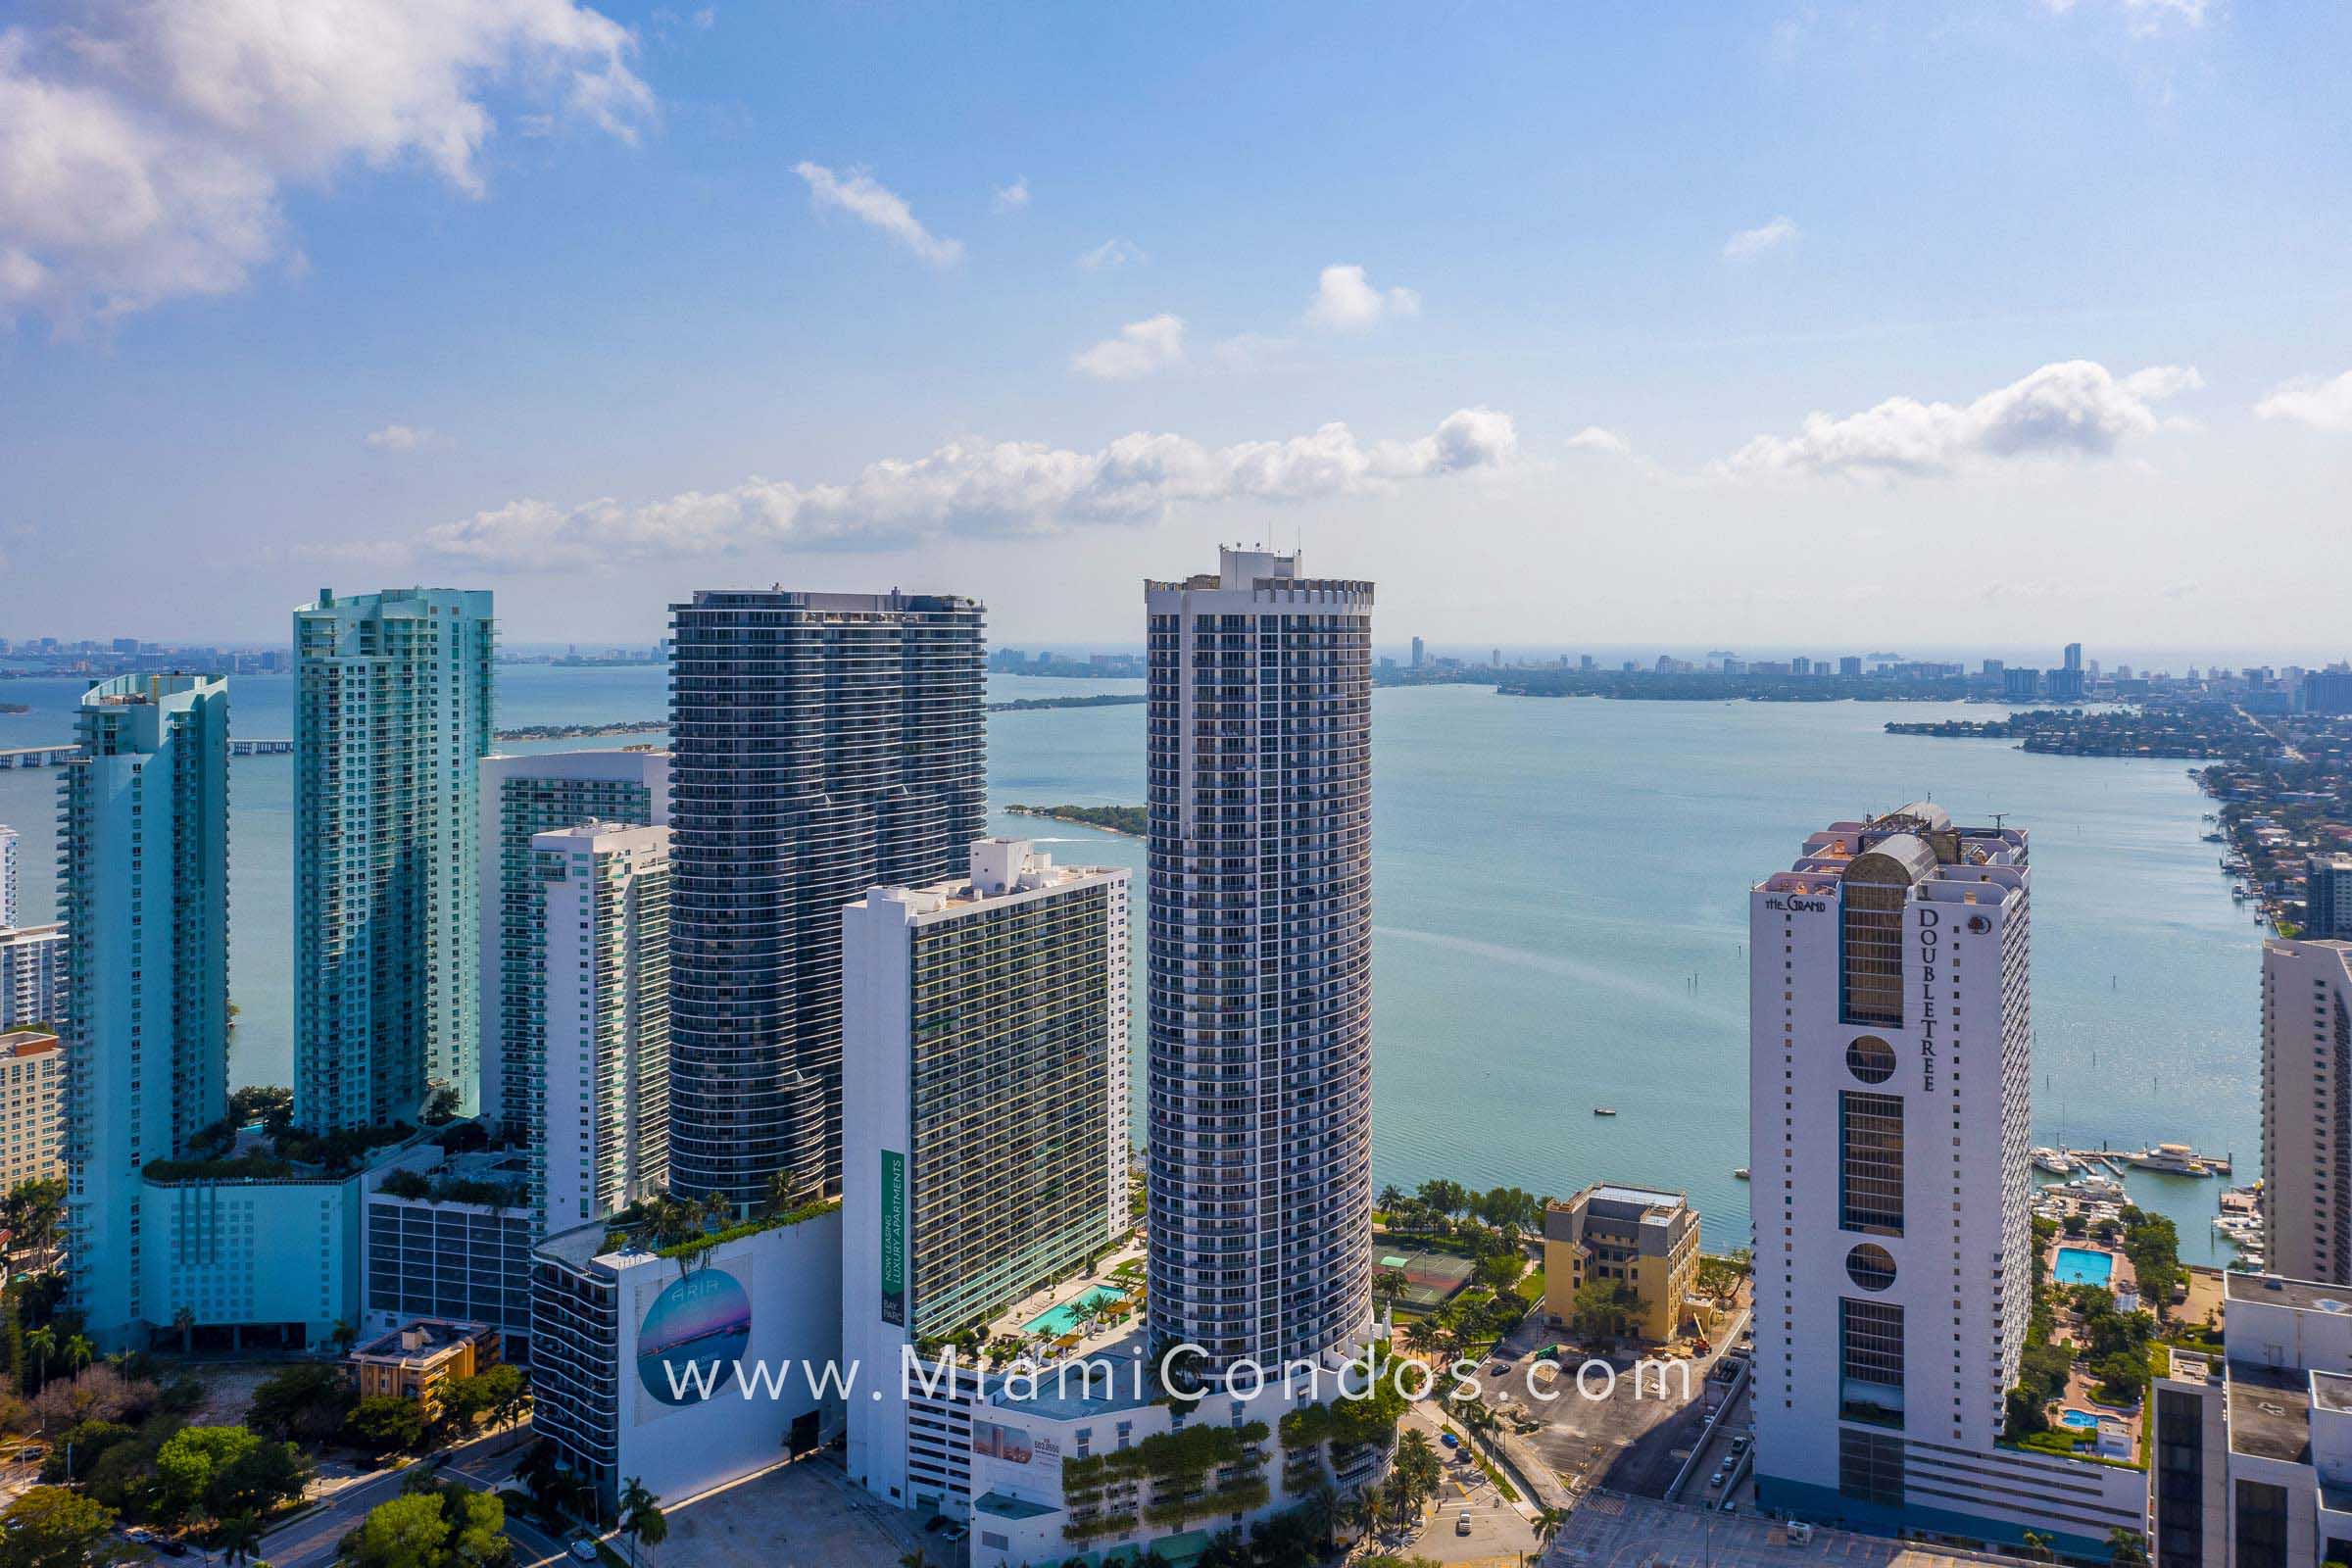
x=1870 y=1363
x=1870 y=1162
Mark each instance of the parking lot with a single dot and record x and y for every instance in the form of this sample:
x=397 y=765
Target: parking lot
x=1612 y=1530
x=800 y=1515
x=1623 y=1438
x=1725 y=1454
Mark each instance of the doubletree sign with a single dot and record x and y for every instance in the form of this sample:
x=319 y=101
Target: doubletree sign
x=894 y=1237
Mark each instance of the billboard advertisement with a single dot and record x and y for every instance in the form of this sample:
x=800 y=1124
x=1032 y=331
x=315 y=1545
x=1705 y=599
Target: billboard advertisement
x=693 y=1335
x=894 y=1237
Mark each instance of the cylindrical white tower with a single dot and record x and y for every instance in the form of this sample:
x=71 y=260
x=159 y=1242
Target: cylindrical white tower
x=1260 y=961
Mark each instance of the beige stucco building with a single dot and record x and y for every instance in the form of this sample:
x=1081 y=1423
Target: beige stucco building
x=31 y=1074
x=1637 y=1237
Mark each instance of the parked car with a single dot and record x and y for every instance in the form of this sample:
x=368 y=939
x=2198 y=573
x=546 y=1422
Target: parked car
x=584 y=1550
x=1461 y=1523
x=1449 y=1440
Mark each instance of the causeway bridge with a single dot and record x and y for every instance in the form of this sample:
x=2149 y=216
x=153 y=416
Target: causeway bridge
x=58 y=755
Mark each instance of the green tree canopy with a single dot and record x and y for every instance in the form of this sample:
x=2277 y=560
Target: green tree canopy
x=53 y=1527
x=385 y=1423
x=308 y=1402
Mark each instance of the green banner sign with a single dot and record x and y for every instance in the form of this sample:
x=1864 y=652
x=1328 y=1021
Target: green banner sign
x=894 y=1237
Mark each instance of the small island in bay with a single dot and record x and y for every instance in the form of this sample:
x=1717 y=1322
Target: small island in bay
x=1021 y=704
x=574 y=732
x=15 y=708
x=1130 y=821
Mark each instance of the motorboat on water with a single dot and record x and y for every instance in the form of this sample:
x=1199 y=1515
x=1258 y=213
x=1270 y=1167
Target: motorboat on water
x=2173 y=1159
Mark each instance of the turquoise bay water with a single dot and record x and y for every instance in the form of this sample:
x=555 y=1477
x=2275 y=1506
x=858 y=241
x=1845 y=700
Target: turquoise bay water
x=1560 y=887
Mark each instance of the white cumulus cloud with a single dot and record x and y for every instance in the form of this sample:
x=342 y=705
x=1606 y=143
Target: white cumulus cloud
x=858 y=194
x=146 y=148
x=1592 y=438
x=2075 y=407
x=1113 y=252
x=1347 y=302
x=1753 y=242
x=1014 y=197
x=2308 y=400
x=1141 y=348
x=967 y=486
x=398 y=438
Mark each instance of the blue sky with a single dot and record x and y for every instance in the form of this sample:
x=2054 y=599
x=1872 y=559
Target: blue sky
x=592 y=306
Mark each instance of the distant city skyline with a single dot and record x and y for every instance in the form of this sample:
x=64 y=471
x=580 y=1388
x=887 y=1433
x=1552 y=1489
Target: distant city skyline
x=1473 y=647
x=994 y=309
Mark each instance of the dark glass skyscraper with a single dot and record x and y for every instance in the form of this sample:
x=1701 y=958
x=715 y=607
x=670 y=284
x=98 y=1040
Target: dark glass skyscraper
x=822 y=744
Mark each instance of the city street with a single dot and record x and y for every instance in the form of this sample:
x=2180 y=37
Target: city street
x=1630 y=1440
x=484 y=1464
x=1499 y=1531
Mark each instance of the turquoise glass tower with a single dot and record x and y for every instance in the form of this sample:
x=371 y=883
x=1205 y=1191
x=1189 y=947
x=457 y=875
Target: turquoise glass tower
x=391 y=722
x=143 y=848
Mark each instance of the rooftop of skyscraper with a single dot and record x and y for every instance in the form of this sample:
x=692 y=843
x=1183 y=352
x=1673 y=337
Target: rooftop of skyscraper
x=1918 y=841
x=1001 y=868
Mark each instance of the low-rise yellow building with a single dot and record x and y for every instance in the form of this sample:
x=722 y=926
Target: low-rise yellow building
x=1637 y=1237
x=33 y=1074
x=416 y=1360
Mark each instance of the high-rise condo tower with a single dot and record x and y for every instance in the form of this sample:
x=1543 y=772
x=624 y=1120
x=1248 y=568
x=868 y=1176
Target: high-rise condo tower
x=822 y=744
x=391 y=720
x=1259 y=961
x=2307 y=1110
x=143 y=854
x=1890 y=1039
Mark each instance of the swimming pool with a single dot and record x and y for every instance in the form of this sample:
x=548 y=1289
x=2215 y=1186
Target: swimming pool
x=2081 y=1265
x=2082 y=1419
x=1068 y=1315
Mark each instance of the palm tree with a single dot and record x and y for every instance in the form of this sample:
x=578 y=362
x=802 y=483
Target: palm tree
x=1397 y=1496
x=239 y=1538
x=1321 y=1508
x=1367 y=1512
x=783 y=1193
x=80 y=1353
x=40 y=1345
x=641 y=1517
x=2127 y=1547
x=1418 y=1466
x=1548 y=1522
x=184 y=1323
x=2036 y=1546
x=537 y=1472
x=344 y=1337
